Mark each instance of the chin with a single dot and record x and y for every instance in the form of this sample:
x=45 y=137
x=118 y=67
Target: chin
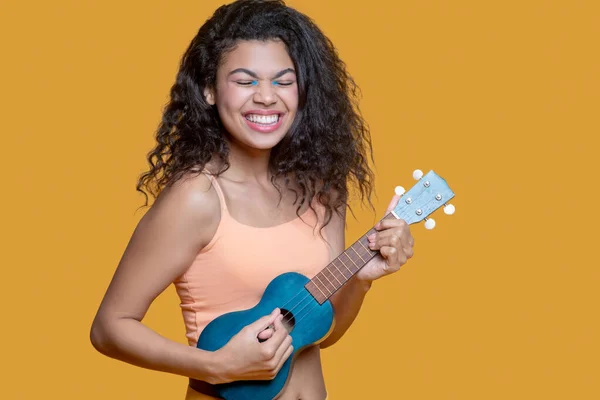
x=252 y=139
x=266 y=142
x=260 y=140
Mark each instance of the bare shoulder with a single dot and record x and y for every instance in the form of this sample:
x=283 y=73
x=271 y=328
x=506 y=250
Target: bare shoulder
x=182 y=221
x=190 y=204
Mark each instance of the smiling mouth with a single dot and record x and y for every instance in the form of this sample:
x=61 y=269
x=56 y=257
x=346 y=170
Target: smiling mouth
x=264 y=120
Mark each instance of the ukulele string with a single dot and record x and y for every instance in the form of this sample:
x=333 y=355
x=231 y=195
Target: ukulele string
x=307 y=312
x=291 y=310
x=308 y=295
x=288 y=312
x=316 y=302
x=296 y=314
x=288 y=302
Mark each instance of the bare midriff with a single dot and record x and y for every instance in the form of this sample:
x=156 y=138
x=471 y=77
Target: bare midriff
x=305 y=382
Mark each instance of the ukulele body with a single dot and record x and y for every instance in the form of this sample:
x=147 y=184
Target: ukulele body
x=310 y=323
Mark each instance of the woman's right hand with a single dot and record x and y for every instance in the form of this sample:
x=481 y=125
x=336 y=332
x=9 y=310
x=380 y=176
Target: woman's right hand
x=244 y=357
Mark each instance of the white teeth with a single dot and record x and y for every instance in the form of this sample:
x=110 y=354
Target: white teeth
x=263 y=119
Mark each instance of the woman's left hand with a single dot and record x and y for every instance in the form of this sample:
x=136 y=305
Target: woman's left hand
x=395 y=244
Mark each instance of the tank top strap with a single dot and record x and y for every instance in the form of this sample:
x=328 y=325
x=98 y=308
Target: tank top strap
x=218 y=189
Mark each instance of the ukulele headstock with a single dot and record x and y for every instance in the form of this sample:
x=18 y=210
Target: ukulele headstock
x=427 y=195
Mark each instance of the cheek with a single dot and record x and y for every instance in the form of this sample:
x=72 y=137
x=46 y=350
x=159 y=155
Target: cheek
x=230 y=99
x=290 y=97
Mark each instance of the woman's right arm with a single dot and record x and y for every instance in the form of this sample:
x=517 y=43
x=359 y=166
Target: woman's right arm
x=179 y=224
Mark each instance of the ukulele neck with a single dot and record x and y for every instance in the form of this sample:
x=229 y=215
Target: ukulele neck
x=331 y=278
x=426 y=196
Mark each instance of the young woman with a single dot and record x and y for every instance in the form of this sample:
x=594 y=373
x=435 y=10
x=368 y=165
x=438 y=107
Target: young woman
x=255 y=155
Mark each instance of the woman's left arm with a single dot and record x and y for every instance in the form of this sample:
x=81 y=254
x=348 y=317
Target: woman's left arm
x=394 y=242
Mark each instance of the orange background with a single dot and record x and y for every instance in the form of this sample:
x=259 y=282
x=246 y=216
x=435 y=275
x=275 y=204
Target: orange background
x=501 y=98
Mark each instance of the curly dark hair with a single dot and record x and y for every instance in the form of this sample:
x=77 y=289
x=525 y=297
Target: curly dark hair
x=328 y=145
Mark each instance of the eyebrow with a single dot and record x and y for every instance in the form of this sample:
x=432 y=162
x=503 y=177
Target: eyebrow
x=252 y=74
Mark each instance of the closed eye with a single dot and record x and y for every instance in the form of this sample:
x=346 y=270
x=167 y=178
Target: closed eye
x=278 y=83
x=247 y=83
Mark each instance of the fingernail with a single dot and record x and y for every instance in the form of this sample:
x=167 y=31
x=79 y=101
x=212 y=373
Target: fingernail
x=371 y=236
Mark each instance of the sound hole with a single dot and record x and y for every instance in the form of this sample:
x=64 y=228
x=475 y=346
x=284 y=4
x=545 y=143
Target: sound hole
x=288 y=319
x=288 y=322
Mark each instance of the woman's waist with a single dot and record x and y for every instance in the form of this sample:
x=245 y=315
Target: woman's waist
x=305 y=382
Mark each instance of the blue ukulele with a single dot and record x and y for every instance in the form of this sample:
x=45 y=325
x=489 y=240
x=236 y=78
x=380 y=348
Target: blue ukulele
x=303 y=302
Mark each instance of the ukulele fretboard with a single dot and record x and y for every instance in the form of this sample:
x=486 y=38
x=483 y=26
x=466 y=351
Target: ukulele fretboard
x=328 y=281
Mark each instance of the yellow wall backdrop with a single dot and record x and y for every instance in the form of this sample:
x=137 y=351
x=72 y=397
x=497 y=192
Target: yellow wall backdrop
x=501 y=98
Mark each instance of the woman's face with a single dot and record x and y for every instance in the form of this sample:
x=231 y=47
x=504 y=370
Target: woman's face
x=256 y=93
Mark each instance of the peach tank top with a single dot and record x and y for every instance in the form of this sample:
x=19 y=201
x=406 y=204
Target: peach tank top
x=233 y=270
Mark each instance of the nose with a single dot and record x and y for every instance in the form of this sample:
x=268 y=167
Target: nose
x=265 y=94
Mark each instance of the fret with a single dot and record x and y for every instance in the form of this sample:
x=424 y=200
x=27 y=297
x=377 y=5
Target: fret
x=336 y=282
x=321 y=282
x=368 y=253
x=340 y=258
x=356 y=263
x=347 y=277
x=333 y=276
x=359 y=249
x=353 y=262
x=315 y=294
x=325 y=283
x=365 y=247
x=325 y=275
x=344 y=279
x=364 y=241
x=351 y=258
x=357 y=253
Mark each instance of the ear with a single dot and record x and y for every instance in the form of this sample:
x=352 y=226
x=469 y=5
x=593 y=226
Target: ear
x=209 y=95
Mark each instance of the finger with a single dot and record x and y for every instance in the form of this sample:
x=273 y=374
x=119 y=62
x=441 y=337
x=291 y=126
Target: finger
x=393 y=258
x=393 y=203
x=281 y=350
x=288 y=352
x=408 y=245
x=409 y=252
x=401 y=252
x=263 y=323
x=391 y=223
x=399 y=228
x=278 y=337
x=266 y=334
x=390 y=255
x=387 y=240
x=395 y=238
x=375 y=237
x=379 y=236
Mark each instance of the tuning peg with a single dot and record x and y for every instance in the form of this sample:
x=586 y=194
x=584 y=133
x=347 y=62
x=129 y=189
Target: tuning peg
x=429 y=223
x=417 y=174
x=449 y=209
x=399 y=190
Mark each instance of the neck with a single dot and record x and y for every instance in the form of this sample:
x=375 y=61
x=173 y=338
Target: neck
x=247 y=163
x=331 y=278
